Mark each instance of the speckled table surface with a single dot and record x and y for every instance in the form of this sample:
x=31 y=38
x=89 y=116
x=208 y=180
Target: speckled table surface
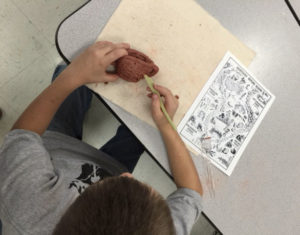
x=262 y=194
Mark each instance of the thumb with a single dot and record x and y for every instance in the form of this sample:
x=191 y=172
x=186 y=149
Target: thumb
x=110 y=77
x=155 y=106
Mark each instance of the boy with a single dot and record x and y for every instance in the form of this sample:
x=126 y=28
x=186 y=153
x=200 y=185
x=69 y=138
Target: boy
x=52 y=182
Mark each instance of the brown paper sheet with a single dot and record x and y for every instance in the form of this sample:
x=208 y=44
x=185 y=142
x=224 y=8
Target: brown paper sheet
x=184 y=41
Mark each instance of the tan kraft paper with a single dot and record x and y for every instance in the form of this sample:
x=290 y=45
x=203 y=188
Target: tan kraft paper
x=184 y=41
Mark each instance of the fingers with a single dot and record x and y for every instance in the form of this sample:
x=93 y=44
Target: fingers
x=114 y=55
x=122 y=45
x=102 y=44
x=156 y=112
x=110 y=52
x=110 y=77
x=163 y=90
x=109 y=47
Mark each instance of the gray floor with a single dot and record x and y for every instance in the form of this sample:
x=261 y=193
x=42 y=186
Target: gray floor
x=27 y=60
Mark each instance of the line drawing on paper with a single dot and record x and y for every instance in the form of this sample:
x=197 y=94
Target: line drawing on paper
x=226 y=112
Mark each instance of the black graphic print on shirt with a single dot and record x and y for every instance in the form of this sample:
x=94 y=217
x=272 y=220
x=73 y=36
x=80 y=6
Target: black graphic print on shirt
x=90 y=174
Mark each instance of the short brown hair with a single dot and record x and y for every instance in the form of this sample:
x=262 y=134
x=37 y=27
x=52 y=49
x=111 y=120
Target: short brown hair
x=115 y=206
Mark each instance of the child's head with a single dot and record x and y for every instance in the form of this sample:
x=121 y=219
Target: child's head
x=117 y=205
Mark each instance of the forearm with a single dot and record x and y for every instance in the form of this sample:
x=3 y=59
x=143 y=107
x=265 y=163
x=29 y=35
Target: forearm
x=89 y=67
x=40 y=112
x=180 y=161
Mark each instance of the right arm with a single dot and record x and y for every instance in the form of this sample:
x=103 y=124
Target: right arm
x=181 y=164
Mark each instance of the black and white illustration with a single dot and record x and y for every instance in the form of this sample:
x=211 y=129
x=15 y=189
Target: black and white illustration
x=90 y=174
x=225 y=114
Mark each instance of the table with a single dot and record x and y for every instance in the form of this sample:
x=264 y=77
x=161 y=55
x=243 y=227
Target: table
x=262 y=194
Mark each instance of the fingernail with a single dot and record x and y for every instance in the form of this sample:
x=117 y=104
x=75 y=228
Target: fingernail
x=154 y=96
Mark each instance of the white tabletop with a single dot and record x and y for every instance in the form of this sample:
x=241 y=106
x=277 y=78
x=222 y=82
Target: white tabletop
x=262 y=194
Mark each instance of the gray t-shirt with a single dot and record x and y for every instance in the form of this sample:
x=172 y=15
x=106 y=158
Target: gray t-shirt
x=40 y=177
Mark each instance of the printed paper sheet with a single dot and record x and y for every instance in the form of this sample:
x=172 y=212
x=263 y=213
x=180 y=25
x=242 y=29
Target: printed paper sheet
x=225 y=114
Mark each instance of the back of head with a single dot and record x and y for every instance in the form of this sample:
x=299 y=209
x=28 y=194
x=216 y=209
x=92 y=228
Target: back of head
x=117 y=205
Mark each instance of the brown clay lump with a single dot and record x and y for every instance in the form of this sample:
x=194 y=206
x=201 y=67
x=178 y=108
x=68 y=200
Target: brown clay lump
x=133 y=66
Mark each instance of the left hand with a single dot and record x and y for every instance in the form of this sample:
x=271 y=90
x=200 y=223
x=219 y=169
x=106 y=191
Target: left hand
x=90 y=66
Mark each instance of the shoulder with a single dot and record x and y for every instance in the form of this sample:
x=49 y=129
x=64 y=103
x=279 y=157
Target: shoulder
x=185 y=206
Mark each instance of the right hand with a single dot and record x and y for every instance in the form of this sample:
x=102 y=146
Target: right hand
x=170 y=102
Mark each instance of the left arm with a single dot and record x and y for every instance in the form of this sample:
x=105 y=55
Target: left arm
x=40 y=112
x=88 y=67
